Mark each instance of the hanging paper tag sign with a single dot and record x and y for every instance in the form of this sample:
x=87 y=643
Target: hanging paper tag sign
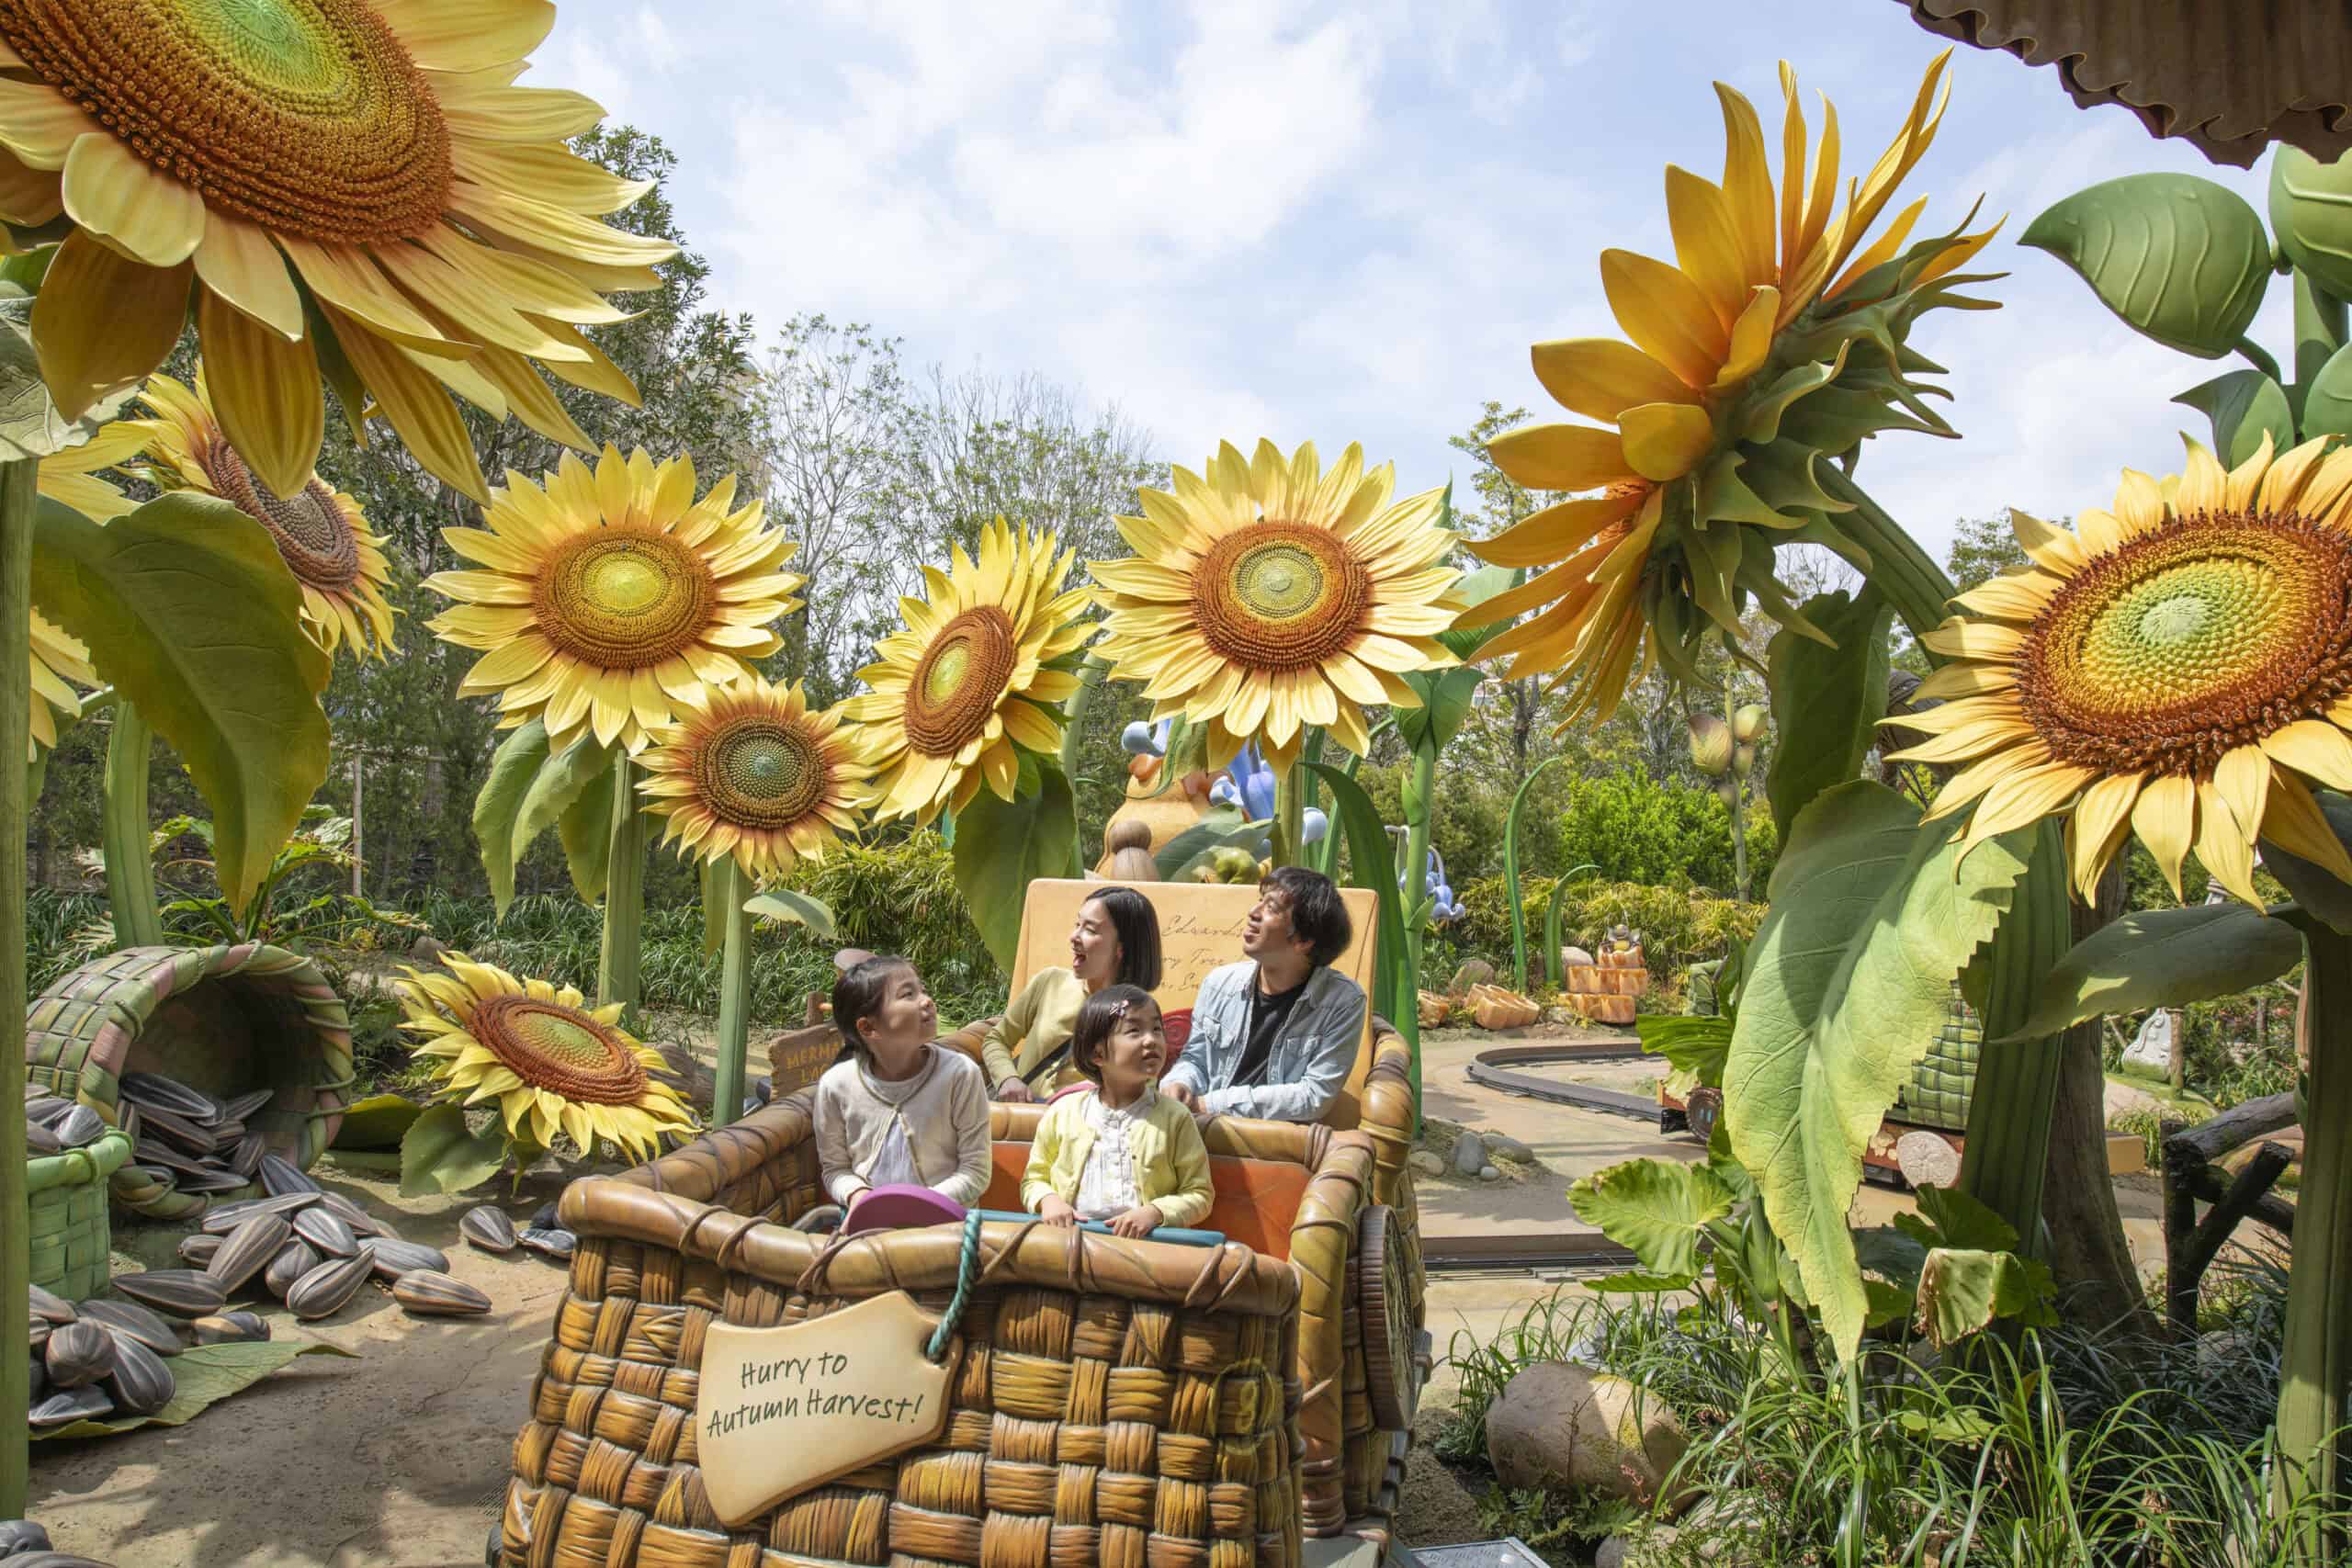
x=781 y=1410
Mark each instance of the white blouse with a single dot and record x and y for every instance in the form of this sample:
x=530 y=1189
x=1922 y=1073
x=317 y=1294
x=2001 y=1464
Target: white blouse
x=1106 y=1186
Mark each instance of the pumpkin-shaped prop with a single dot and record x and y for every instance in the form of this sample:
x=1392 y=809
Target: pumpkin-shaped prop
x=1610 y=989
x=1497 y=1008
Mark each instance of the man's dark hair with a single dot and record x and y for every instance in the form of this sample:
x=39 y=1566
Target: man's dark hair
x=857 y=996
x=1317 y=915
x=1137 y=925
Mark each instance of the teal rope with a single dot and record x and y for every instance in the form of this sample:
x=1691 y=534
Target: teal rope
x=936 y=1351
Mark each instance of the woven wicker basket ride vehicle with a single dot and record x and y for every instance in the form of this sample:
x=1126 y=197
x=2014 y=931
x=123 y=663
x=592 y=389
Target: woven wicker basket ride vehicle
x=1128 y=1403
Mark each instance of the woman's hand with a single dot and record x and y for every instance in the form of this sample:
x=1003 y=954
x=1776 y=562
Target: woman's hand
x=1056 y=1210
x=1014 y=1092
x=1139 y=1222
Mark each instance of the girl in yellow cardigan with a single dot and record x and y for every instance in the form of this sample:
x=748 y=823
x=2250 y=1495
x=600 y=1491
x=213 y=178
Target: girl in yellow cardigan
x=1123 y=1152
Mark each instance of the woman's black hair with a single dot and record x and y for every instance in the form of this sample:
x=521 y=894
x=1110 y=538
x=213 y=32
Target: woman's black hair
x=1319 y=916
x=857 y=996
x=1097 y=1017
x=1137 y=925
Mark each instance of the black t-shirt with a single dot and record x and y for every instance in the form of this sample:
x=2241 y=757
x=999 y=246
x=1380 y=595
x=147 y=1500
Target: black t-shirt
x=1267 y=1015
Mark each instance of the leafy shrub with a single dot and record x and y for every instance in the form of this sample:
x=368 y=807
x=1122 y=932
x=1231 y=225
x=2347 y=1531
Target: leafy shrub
x=1678 y=928
x=1634 y=828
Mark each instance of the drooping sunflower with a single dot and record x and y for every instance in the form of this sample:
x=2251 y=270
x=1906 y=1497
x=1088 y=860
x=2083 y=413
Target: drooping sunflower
x=553 y=1065
x=611 y=596
x=1268 y=596
x=56 y=659
x=2177 y=668
x=1774 y=340
x=320 y=534
x=358 y=170
x=71 y=476
x=749 y=770
x=972 y=676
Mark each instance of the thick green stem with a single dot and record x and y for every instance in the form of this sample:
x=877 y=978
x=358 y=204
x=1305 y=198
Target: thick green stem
x=2315 y=1367
x=122 y=825
x=618 y=978
x=1290 y=817
x=1417 y=805
x=2259 y=357
x=1739 y=837
x=2319 y=332
x=17 y=499
x=733 y=887
x=1089 y=681
x=2010 y=1113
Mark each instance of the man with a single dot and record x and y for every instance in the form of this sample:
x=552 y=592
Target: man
x=1274 y=1035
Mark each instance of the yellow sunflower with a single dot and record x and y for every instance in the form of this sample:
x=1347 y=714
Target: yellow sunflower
x=348 y=183
x=2177 y=668
x=320 y=534
x=1773 y=340
x=553 y=1065
x=56 y=659
x=972 y=676
x=71 y=476
x=749 y=771
x=1269 y=595
x=611 y=596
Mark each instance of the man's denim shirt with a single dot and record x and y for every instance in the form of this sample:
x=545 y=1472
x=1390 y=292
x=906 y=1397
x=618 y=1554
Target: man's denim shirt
x=1312 y=1055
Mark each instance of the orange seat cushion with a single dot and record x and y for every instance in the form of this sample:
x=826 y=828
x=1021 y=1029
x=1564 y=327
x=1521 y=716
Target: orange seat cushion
x=1257 y=1200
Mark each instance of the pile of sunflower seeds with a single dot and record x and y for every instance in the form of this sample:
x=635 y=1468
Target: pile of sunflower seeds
x=54 y=1125
x=487 y=1228
x=107 y=1358
x=191 y=1141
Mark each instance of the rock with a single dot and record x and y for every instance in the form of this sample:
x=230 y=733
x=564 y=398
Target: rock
x=1503 y=1146
x=1724 y=1524
x=1488 y=1173
x=1424 y=1163
x=2288 y=1138
x=1926 y=1159
x=2150 y=1055
x=1570 y=957
x=1614 y=1552
x=2122 y=1099
x=1469 y=1153
x=1476 y=971
x=427 y=950
x=1558 y=1424
x=1561 y=1015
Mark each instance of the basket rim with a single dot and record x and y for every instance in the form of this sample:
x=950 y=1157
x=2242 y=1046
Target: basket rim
x=90 y=1165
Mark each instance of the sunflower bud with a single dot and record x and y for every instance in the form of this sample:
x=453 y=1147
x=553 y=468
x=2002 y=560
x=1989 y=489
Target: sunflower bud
x=1711 y=743
x=1747 y=723
x=1728 y=790
x=1742 y=759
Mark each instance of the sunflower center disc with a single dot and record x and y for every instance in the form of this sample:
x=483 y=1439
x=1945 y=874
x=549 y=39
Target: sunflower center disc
x=759 y=772
x=624 y=598
x=306 y=116
x=961 y=678
x=2208 y=634
x=1280 y=596
x=560 y=1049
x=313 y=537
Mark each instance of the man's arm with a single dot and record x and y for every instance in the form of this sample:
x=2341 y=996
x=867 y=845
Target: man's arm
x=1191 y=1069
x=1340 y=1033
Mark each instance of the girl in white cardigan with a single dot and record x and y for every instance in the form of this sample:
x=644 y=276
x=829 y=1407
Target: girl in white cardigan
x=896 y=1109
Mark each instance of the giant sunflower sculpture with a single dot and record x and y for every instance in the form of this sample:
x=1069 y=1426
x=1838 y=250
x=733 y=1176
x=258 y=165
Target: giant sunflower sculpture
x=71 y=476
x=1775 y=339
x=320 y=534
x=551 y=1065
x=56 y=659
x=611 y=596
x=2175 y=669
x=972 y=677
x=369 y=158
x=749 y=771
x=1268 y=596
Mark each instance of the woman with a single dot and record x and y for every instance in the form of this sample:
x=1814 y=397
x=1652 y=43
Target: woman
x=1115 y=941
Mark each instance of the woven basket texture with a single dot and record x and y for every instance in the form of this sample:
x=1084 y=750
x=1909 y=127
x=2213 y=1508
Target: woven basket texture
x=1124 y=1403
x=70 y=1233
x=1945 y=1080
x=225 y=1020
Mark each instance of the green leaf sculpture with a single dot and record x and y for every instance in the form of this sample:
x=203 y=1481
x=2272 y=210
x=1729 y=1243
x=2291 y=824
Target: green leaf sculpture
x=2327 y=401
x=797 y=909
x=1826 y=699
x=1873 y=914
x=2311 y=211
x=1002 y=846
x=190 y=613
x=1658 y=1208
x=2176 y=257
x=2322 y=895
x=2244 y=406
x=1962 y=1289
x=499 y=807
x=1510 y=882
x=2162 y=958
x=440 y=1153
x=1394 y=996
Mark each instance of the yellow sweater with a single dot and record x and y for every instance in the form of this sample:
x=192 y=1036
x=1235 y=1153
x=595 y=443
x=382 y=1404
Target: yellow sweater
x=1036 y=1022
x=1171 y=1164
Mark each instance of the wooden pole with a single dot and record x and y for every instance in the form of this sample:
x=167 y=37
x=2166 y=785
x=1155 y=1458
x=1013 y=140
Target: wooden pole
x=17 y=499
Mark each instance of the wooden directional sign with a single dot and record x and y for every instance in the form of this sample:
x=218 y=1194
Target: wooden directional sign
x=781 y=1410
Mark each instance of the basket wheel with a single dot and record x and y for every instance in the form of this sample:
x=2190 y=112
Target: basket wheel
x=1384 y=1306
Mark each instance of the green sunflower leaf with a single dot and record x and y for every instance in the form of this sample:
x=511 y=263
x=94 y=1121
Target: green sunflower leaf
x=2244 y=406
x=498 y=809
x=584 y=828
x=2327 y=401
x=235 y=694
x=202 y=1376
x=1826 y=699
x=1002 y=846
x=440 y=1153
x=797 y=909
x=2165 y=958
x=2177 y=258
x=1872 y=915
x=1659 y=1208
x=2310 y=210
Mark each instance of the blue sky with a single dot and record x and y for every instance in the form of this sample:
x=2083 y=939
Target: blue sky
x=1347 y=221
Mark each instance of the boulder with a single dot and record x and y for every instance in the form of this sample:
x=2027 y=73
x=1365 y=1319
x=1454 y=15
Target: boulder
x=1424 y=1163
x=1558 y=1424
x=1469 y=1153
x=1489 y=1173
x=1505 y=1147
x=1474 y=972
